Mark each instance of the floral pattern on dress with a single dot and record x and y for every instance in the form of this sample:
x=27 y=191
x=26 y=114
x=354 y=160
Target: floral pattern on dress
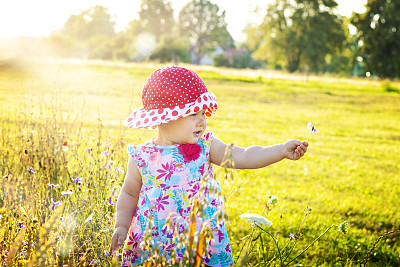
x=171 y=179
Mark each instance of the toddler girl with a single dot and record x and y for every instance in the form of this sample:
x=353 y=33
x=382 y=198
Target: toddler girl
x=165 y=173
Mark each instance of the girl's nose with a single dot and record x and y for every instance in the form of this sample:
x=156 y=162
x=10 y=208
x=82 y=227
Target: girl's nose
x=201 y=120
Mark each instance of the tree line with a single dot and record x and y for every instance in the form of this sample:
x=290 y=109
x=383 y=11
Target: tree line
x=295 y=35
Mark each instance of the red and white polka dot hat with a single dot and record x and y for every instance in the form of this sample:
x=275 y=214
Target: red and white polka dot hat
x=171 y=93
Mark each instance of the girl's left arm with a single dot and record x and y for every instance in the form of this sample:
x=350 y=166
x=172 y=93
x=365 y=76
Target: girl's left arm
x=254 y=157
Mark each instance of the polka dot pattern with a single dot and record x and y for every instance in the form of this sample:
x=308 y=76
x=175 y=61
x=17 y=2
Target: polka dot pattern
x=171 y=93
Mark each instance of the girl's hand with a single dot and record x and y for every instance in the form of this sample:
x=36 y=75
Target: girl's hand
x=294 y=149
x=117 y=239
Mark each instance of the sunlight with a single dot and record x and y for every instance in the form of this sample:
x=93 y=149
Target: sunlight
x=40 y=18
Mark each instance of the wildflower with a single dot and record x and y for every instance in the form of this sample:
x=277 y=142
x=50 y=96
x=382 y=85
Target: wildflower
x=77 y=179
x=343 y=227
x=308 y=210
x=20 y=225
x=65 y=142
x=273 y=200
x=31 y=170
x=88 y=219
x=255 y=218
x=93 y=262
x=52 y=185
x=24 y=243
x=110 y=202
x=311 y=129
x=69 y=192
x=106 y=252
x=292 y=236
x=58 y=203
x=105 y=153
x=119 y=170
x=65 y=148
x=89 y=150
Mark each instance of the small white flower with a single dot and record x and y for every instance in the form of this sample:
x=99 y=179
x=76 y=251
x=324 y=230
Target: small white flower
x=255 y=218
x=88 y=219
x=69 y=192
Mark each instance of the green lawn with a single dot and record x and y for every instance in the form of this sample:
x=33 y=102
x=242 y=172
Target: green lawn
x=350 y=172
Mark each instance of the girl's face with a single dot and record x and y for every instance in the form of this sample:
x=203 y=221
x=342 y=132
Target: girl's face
x=185 y=130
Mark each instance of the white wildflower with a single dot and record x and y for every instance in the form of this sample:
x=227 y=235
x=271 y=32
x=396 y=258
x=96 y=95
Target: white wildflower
x=255 y=218
x=88 y=219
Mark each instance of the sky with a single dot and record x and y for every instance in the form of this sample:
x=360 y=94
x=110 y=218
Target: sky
x=41 y=17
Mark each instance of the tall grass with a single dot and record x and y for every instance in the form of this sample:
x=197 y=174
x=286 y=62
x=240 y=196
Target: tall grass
x=63 y=155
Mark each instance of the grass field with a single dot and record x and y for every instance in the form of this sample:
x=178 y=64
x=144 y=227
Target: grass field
x=60 y=121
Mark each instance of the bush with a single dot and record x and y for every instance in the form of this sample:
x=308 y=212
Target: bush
x=171 y=49
x=221 y=61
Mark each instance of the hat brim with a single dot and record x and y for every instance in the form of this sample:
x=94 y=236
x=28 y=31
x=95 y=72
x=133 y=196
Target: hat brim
x=142 y=118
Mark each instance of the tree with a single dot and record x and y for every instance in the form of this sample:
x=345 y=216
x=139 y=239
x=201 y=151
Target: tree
x=298 y=33
x=170 y=49
x=89 y=34
x=156 y=17
x=343 y=61
x=205 y=26
x=91 y=22
x=379 y=31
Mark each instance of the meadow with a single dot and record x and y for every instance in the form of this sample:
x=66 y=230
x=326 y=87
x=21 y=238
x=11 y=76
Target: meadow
x=63 y=156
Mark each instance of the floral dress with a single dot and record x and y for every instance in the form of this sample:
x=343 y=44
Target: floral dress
x=172 y=178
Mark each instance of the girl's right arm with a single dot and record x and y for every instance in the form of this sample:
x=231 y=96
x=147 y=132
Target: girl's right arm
x=126 y=205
